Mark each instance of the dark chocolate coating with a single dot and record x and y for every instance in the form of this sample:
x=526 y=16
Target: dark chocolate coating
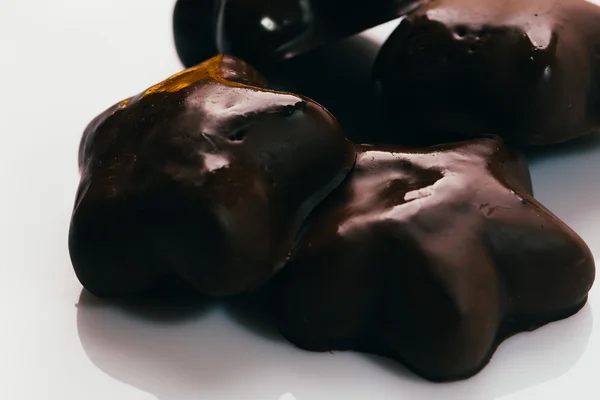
x=528 y=71
x=206 y=176
x=266 y=31
x=194 y=27
x=432 y=257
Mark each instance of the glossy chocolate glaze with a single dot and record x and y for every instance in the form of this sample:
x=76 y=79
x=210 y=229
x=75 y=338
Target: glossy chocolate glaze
x=347 y=91
x=432 y=257
x=265 y=31
x=206 y=176
x=528 y=71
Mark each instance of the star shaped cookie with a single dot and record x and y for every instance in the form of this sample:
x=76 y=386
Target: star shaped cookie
x=433 y=257
x=203 y=178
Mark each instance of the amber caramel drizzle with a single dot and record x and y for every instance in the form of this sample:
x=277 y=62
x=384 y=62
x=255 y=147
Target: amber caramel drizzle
x=124 y=103
x=208 y=69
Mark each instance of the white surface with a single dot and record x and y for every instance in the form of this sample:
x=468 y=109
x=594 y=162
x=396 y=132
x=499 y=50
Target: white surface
x=64 y=61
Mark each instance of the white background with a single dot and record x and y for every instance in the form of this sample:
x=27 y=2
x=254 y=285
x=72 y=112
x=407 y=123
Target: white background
x=64 y=61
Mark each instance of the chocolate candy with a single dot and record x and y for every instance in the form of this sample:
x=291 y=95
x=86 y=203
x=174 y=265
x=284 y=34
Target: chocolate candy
x=348 y=92
x=194 y=31
x=432 y=257
x=206 y=176
x=528 y=71
x=264 y=31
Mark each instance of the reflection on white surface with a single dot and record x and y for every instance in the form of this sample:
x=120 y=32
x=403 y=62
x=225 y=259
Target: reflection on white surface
x=566 y=180
x=229 y=352
x=67 y=61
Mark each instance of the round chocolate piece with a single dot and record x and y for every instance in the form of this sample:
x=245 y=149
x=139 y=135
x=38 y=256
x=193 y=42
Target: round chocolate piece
x=206 y=176
x=194 y=27
x=266 y=31
x=431 y=256
x=528 y=71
